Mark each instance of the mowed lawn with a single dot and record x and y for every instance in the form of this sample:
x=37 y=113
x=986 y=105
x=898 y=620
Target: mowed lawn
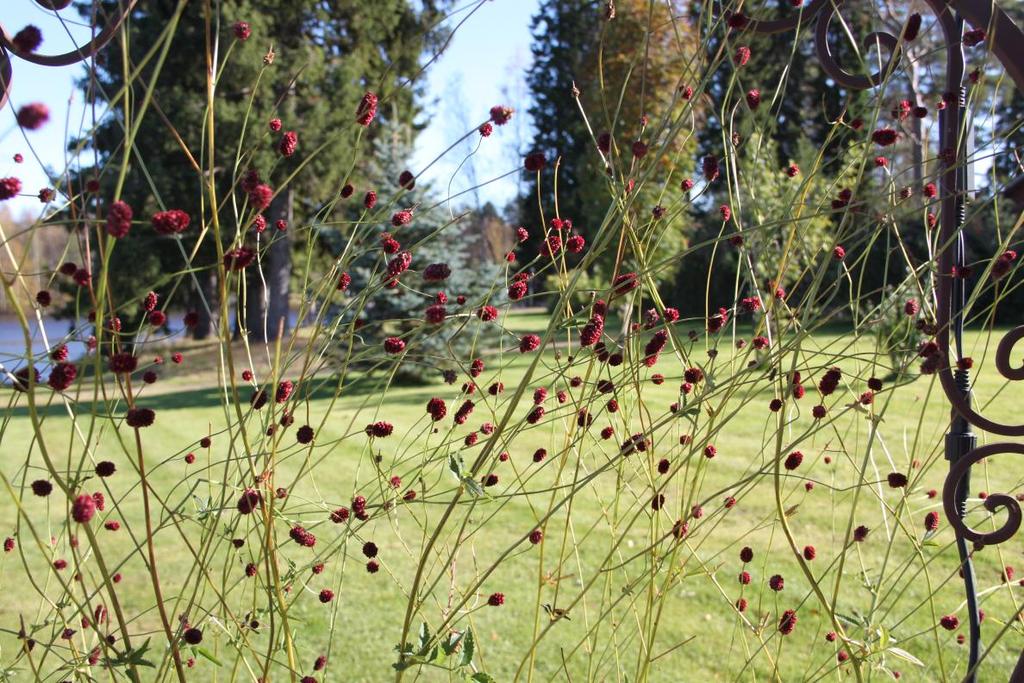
x=893 y=588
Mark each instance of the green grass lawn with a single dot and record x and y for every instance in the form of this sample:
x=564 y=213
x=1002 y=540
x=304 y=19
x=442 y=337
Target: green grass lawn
x=609 y=539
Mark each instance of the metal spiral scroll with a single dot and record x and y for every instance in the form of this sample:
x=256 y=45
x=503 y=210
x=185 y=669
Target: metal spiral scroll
x=993 y=503
x=79 y=54
x=1005 y=40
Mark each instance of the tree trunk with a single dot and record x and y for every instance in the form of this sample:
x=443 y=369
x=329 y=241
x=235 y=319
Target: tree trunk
x=267 y=287
x=204 y=303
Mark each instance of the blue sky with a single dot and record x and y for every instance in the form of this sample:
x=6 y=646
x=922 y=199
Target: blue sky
x=484 y=65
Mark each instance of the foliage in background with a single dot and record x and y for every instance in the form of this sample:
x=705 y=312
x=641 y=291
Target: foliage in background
x=717 y=457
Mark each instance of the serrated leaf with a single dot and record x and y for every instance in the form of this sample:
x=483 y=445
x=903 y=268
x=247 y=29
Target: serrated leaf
x=848 y=619
x=903 y=654
x=455 y=465
x=473 y=486
x=468 y=648
x=449 y=646
x=424 y=638
x=206 y=654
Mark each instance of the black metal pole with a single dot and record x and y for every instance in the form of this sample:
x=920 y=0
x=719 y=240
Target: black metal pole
x=960 y=440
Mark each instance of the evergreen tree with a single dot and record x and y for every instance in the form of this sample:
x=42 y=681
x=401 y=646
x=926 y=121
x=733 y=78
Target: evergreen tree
x=306 y=63
x=436 y=242
x=626 y=66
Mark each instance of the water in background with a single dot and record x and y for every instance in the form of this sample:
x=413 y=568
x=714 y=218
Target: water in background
x=12 y=341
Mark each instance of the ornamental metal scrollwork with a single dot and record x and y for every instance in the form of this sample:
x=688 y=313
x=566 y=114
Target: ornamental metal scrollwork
x=993 y=502
x=1005 y=40
x=8 y=49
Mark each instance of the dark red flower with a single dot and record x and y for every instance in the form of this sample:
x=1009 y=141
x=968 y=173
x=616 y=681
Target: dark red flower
x=193 y=636
x=1003 y=264
x=380 y=429
x=742 y=56
x=912 y=28
x=401 y=218
x=302 y=537
x=140 y=417
x=517 y=290
x=304 y=435
x=367 y=109
x=42 y=488
x=83 y=508
x=973 y=37
x=949 y=622
x=289 y=143
x=242 y=30
x=883 y=137
x=261 y=196
x=529 y=342
x=718 y=320
x=754 y=99
x=123 y=363
x=860 y=534
x=931 y=521
x=624 y=283
x=119 y=219
x=62 y=376
x=464 y=411
x=793 y=460
x=709 y=166
x=534 y=162
x=27 y=40
x=436 y=272
x=33 y=116
x=437 y=409
x=435 y=314
x=500 y=114
x=592 y=331
x=737 y=20
x=394 y=345
x=249 y=501
x=496 y=599
x=239 y=258
x=897 y=480
x=787 y=622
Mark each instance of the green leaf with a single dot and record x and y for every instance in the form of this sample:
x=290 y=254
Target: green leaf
x=455 y=465
x=903 y=654
x=424 y=638
x=449 y=646
x=206 y=654
x=473 y=486
x=468 y=648
x=481 y=677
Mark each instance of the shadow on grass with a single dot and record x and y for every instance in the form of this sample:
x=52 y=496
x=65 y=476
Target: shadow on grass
x=322 y=388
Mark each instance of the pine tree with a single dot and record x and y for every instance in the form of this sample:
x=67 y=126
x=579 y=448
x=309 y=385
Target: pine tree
x=432 y=237
x=306 y=63
x=626 y=69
